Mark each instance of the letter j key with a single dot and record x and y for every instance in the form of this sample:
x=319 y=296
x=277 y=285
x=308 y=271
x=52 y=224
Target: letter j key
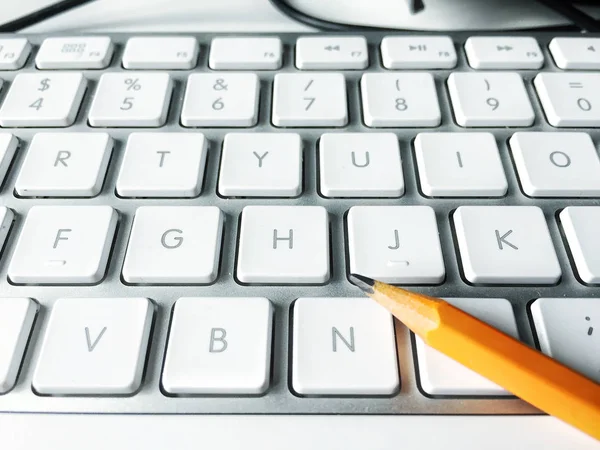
x=505 y=245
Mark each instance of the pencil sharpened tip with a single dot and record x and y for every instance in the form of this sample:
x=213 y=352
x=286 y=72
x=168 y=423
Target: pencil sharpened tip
x=364 y=283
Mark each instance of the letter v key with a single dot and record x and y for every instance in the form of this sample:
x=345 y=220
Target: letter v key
x=92 y=345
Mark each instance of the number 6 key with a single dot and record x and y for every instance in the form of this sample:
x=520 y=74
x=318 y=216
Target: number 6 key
x=490 y=99
x=221 y=99
x=570 y=99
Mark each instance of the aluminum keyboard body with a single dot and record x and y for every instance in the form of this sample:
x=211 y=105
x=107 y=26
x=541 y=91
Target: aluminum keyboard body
x=279 y=398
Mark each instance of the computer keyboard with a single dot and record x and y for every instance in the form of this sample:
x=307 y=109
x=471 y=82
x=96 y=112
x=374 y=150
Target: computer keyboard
x=181 y=213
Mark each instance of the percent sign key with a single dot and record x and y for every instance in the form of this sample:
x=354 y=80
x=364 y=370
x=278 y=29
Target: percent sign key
x=133 y=84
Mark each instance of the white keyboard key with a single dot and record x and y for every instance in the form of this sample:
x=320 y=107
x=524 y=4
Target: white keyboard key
x=418 y=52
x=219 y=346
x=490 y=99
x=64 y=165
x=161 y=53
x=43 y=100
x=261 y=165
x=343 y=346
x=310 y=100
x=556 y=164
x=441 y=375
x=400 y=100
x=63 y=245
x=503 y=52
x=460 y=165
x=78 y=52
x=395 y=244
x=16 y=320
x=284 y=244
x=14 y=53
x=221 y=100
x=94 y=346
x=570 y=99
x=247 y=53
x=360 y=165
x=8 y=147
x=577 y=53
x=163 y=165
x=505 y=245
x=580 y=225
x=568 y=330
x=131 y=99
x=331 y=52
x=174 y=245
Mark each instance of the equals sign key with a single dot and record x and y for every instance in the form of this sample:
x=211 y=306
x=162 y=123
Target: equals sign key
x=575 y=85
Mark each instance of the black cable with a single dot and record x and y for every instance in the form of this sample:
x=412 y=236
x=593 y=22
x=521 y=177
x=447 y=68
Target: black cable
x=566 y=9
x=579 y=19
x=320 y=24
x=40 y=15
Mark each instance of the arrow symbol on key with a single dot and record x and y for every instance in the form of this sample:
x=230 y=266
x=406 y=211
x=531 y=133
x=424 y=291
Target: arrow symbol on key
x=92 y=345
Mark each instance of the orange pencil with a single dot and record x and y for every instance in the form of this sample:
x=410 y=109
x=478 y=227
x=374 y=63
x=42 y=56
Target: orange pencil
x=527 y=373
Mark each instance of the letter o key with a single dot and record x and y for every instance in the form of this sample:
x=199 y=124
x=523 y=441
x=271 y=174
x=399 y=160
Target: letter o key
x=560 y=159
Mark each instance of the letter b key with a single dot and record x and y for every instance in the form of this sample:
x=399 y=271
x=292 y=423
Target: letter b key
x=219 y=346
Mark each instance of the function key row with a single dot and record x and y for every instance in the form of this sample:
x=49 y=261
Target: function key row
x=311 y=53
x=225 y=99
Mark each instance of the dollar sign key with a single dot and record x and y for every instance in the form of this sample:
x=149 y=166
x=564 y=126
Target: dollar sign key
x=44 y=84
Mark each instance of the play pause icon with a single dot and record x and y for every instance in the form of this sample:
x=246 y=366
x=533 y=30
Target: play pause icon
x=419 y=48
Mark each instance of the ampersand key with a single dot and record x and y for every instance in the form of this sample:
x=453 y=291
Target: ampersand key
x=220 y=85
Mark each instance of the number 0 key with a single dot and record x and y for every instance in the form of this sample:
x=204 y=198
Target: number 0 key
x=570 y=99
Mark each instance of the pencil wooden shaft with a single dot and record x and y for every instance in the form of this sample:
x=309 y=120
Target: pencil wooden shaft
x=521 y=370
